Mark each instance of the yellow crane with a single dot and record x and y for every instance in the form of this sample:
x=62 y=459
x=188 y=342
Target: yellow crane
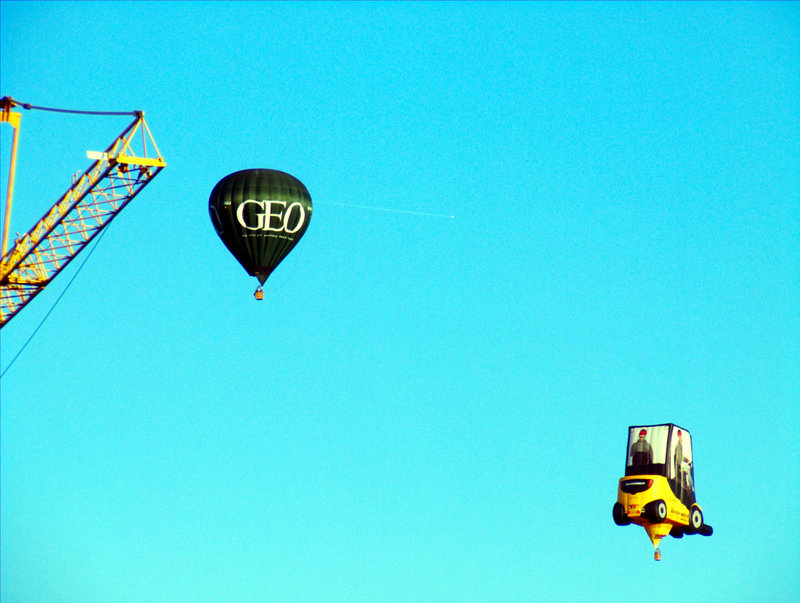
x=115 y=177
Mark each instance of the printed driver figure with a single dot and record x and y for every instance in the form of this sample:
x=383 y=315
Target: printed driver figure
x=641 y=452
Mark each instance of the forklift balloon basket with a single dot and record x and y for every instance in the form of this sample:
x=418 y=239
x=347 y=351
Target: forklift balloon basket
x=259 y=294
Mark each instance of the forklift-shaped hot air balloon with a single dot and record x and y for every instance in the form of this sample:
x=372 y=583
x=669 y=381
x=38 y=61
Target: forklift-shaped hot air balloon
x=657 y=491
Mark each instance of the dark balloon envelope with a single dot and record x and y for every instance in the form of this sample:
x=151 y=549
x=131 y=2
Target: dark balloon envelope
x=260 y=215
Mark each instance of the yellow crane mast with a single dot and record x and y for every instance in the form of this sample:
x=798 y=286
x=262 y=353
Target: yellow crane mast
x=115 y=177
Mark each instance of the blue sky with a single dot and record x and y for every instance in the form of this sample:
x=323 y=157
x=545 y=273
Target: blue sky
x=423 y=408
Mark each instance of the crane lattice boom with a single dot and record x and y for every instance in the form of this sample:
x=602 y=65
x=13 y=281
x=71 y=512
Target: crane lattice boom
x=89 y=205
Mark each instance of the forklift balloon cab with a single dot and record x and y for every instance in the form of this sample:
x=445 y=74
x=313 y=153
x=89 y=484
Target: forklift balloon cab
x=657 y=491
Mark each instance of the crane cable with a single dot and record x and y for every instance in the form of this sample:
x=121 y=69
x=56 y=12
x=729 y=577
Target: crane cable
x=29 y=106
x=10 y=102
x=53 y=307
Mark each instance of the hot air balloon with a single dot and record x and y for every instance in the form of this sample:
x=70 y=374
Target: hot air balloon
x=260 y=215
x=657 y=491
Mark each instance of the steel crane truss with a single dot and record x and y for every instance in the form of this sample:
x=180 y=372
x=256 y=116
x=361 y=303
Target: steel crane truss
x=94 y=199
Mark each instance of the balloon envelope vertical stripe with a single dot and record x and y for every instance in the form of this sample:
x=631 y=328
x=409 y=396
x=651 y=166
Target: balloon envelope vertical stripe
x=260 y=215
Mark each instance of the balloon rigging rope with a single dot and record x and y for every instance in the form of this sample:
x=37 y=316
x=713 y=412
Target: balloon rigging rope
x=39 y=326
